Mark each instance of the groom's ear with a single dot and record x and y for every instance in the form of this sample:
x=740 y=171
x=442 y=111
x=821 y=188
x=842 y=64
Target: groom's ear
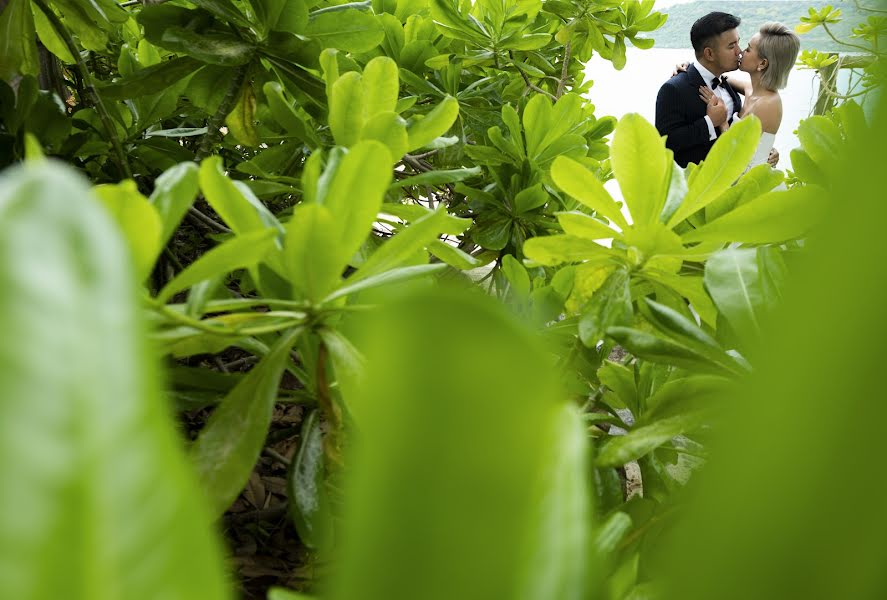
x=708 y=53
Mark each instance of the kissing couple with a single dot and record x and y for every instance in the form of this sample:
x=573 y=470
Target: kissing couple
x=700 y=102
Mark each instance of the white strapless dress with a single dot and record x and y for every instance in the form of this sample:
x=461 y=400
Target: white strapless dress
x=762 y=152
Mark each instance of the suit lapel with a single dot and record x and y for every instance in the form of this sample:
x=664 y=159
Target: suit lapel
x=695 y=77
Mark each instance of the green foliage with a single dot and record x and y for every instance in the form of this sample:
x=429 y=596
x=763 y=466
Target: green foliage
x=86 y=436
x=301 y=193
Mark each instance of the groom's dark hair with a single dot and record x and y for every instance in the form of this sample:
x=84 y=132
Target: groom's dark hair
x=707 y=28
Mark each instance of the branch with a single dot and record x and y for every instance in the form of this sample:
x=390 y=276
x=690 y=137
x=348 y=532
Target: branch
x=214 y=123
x=86 y=77
x=848 y=44
x=530 y=85
x=565 y=70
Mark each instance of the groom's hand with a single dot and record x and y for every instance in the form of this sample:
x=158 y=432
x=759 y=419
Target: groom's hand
x=716 y=110
x=773 y=158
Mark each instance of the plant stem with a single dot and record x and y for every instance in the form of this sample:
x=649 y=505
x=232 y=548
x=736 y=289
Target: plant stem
x=213 y=135
x=848 y=44
x=565 y=70
x=332 y=438
x=86 y=77
x=530 y=85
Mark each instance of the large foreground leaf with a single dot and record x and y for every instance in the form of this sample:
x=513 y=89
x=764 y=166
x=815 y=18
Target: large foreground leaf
x=97 y=500
x=466 y=477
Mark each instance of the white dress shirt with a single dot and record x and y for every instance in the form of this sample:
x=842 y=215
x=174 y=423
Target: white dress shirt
x=708 y=77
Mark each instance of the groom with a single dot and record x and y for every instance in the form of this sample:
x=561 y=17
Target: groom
x=690 y=125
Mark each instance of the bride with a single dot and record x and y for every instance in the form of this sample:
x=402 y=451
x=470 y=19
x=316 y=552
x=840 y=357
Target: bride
x=768 y=59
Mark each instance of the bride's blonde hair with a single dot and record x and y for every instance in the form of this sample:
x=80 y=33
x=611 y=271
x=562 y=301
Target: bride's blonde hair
x=780 y=46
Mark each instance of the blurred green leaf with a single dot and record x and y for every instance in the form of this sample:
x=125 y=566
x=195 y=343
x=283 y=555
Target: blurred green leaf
x=486 y=492
x=84 y=432
x=139 y=221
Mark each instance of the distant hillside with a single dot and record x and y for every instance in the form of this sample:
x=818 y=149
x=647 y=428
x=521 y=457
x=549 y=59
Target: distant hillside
x=676 y=31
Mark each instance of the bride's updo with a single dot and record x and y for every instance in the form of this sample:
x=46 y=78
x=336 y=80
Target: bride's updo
x=780 y=46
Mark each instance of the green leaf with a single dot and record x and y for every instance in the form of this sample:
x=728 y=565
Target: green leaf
x=226 y=450
x=346 y=109
x=620 y=380
x=390 y=129
x=436 y=177
x=537 y=123
x=356 y=193
x=453 y=25
x=553 y=250
x=404 y=245
x=139 y=221
x=581 y=225
x=84 y=431
x=241 y=251
x=435 y=124
x=283 y=112
x=215 y=48
x=407 y=467
x=691 y=288
x=530 y=41
x=776 y=216
x=313 y=264
x=610 y=533
x=49 y=37
x=305 y=485
x=277 y=593
x=725 y=162
x=580 y=183
x=735 y=283
x=658 y=349
x=18 y=52
x=560 y=565
x=698 y=394
x=617 y=451
x=642 y=168
x=677 y=326
x=453 y=256
x=516 y=275
x=756 y=181
x=174 y=193
x=350 y=30
x=293 y=16
x=529 y=199
x=151 y=79
x=237 y=206
x=380 y=86
x=821 y=139
x=610 y=305
x=241 y=120
x=267 y=13
x=224 y=9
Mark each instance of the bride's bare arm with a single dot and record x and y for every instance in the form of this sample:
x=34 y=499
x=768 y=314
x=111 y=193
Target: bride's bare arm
x=741 y=85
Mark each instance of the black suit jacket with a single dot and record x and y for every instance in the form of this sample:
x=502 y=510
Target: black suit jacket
x=680 y=116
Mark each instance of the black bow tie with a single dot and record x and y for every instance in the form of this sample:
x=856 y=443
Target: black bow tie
x=722 y=81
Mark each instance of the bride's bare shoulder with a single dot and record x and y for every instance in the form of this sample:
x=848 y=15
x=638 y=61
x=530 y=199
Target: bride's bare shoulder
x=769 y=110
